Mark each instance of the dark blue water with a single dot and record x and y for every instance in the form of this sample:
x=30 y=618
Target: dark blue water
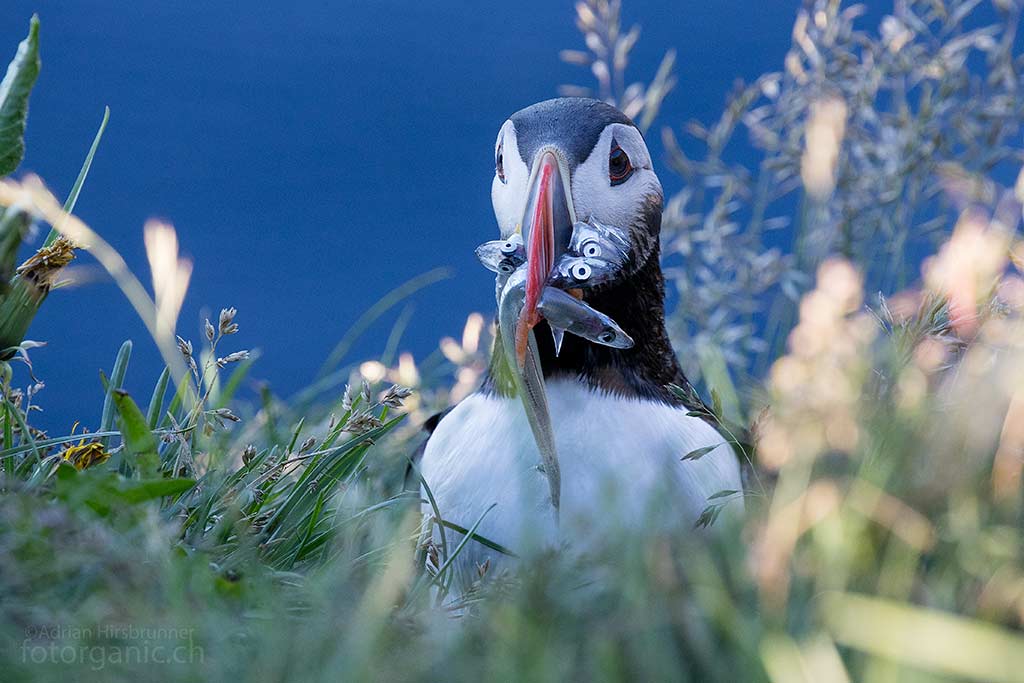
x=313 y=155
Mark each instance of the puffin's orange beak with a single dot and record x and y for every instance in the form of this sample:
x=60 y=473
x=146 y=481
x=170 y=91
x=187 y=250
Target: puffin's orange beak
x=549 y=226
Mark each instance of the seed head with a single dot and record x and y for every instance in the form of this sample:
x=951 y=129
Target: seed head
x=226 y=414
x=185 y=347
x=248 y=454
x=210 y=332
x=227 y=324
x=233 y=358
x=395 y=396
x=360 y=423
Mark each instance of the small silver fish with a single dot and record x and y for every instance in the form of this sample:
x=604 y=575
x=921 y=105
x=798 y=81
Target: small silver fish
x=596 y=254
x=502 y=256
x=528 y=378
x=566 y=313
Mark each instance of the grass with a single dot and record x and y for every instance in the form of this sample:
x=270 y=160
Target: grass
x=196 y=536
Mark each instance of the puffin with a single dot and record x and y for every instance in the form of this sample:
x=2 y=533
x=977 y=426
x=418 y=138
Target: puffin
x=623 y=421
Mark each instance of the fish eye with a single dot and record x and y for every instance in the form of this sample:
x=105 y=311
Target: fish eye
x=619 y=167
x=499 y=162
x=591 y=249
x=506 y=267
x=607 y=336
x=581 y=271
x=509 y=247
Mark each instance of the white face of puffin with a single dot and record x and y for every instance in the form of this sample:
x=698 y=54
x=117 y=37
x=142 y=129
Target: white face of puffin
x=612 y=186
x=508 y=189
x=616 y=181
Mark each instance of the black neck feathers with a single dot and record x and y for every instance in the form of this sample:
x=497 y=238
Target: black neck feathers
x=637 y=303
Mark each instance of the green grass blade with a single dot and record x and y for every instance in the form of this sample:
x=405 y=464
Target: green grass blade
x=433 y=504
x=156 y=403
x=177 y=402
x=116 y=380
x=76 y=189
x=341 y=461
x=26 y=433
x=8 y=430
x=395 y=337
x=8 y=441
x=314 y=519
x=230 y=387
x=381 y=307
x=458 y=549
x=482 y=540
x=8 y=453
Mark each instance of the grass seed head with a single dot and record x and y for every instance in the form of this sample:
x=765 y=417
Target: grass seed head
x=395 y=396
x=233 y=358
x=226 y=323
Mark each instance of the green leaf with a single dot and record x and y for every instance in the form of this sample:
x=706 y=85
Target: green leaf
x=698 y=453
x=14 y=91
x=724 y=493
x=139 y=443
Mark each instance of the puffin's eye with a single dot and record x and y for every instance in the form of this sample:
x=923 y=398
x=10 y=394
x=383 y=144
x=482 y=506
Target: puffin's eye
x=619 y=168
x=591 y=249
x=581 y=271
x=499 y=163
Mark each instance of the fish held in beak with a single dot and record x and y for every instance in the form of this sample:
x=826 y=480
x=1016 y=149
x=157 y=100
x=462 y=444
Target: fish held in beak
x=529 y=377
x=597 y=254
x=502 y=256
x=566 y=313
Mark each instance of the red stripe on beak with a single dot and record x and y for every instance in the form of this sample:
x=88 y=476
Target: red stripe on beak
x=540 y=254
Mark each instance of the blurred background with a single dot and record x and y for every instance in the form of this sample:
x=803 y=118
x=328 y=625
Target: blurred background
x=314 y=155
x=845 y=270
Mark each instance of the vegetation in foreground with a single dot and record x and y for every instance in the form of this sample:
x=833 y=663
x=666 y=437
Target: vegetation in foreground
x=195 y=536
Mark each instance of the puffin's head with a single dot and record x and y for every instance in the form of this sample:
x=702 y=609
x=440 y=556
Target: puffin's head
x=566 y=160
